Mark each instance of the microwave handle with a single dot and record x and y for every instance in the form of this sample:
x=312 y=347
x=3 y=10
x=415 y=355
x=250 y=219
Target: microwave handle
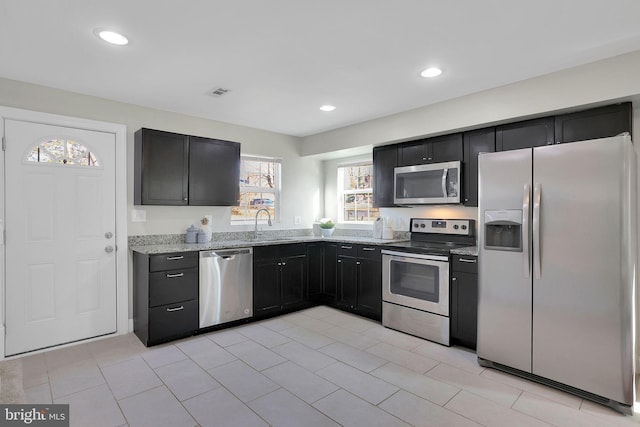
x=444 y=182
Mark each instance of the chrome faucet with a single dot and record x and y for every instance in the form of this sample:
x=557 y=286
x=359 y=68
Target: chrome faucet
x=255 y=230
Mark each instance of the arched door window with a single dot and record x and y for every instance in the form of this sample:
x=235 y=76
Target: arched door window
x=62 y=152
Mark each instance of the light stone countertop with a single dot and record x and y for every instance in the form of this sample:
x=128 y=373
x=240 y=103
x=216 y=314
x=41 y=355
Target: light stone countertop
x=267 y=241
x=469 y=250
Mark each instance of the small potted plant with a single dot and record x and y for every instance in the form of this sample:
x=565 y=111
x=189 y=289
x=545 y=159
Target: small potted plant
x=327 y=227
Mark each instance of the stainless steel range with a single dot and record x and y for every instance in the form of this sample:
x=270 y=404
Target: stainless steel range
x=415 y=277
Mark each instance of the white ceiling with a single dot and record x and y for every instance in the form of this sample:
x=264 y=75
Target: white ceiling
x=283 y=59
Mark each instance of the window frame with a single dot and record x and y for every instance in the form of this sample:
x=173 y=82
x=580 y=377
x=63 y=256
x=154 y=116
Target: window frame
x=341 y=192
x=276 y=190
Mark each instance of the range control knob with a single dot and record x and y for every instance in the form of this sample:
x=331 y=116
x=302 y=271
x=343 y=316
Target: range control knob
x=415 y=225
x=455 y=227
x=464 y=227
x=422 y=226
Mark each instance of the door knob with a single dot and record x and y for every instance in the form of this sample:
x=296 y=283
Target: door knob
x=108 y=234
x=108 y=249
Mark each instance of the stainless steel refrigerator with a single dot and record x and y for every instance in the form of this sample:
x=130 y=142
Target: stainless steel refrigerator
x=557 y=260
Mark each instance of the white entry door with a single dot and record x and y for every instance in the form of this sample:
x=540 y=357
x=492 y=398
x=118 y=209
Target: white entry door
x=60 y=235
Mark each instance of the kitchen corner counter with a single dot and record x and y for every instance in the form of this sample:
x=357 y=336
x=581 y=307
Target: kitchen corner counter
x=229 y=244
x=469 y=250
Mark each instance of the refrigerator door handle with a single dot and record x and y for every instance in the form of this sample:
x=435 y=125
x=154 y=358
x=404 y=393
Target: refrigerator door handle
x=536 y=230
x=444 y=182
x=525 y=230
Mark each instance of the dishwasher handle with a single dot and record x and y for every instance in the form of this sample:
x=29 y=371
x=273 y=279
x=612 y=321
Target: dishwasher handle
x=227 y=254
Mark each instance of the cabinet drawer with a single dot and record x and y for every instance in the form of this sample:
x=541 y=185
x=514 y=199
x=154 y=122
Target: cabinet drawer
x=369 y=252
x=173 y=261
x=173 y=320
x=278 y=251
x=464 y=263
x=347 y=249
x=166 y=287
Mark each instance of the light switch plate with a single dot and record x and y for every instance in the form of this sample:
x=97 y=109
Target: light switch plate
x=138 y=215
x=297 y=220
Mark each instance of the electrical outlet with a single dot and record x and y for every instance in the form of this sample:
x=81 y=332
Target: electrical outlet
x=297 y=220
x=138 y=215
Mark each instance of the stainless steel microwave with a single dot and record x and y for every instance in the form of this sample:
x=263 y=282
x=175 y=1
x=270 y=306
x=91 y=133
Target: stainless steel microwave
x=436 y=183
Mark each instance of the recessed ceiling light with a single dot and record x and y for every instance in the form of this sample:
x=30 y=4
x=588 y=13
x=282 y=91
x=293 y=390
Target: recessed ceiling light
x=112 y=37
x=328 y=107
x=431 y=72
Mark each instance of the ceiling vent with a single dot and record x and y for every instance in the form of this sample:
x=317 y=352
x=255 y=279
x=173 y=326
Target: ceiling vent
x=219 y=92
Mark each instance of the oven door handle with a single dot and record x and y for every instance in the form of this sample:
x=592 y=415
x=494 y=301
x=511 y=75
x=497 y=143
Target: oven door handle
x=415 y=256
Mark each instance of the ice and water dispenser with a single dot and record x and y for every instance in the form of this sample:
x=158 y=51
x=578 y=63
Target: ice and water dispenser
x=503 y=230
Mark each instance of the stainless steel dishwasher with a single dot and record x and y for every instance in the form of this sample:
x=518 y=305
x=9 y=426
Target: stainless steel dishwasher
x=226 y=285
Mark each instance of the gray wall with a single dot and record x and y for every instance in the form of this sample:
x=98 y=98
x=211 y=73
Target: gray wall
x=301 y=177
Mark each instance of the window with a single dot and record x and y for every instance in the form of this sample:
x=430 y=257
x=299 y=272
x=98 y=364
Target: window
x=62 y=152
x=355 y=193
x=259 y=189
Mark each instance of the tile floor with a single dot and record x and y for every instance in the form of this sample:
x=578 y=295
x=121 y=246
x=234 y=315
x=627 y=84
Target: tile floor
x=317 y=367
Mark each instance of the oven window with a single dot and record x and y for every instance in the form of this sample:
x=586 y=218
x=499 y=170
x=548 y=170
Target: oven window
x=415 y=280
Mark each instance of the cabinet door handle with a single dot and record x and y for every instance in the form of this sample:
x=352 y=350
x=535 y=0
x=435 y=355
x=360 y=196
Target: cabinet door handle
x=453 y=279
x=368 y=249
x=284 y=263
x=171 y=276
x=346 y=247
x=173 y=258
x=357 y=262
x=279 y=263
x=339 y=261
x=472 y=261
x=176 y=309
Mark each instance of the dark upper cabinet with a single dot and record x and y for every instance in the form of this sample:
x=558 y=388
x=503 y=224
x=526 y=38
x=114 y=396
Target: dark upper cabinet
x=385 y=159
x=214 y=172
x=595 y=123
x=526 y=134
x=176 y=169
x=431 y=150
x=475 y=142
x=161 y=168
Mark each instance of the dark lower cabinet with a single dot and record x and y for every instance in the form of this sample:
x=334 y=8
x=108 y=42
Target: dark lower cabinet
x=321 y=272
x=464 y=300
x=602 y=122
x=279 y=278
x=359 y=279
x=165 y=296
x=369 y=299
x=347 y=282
